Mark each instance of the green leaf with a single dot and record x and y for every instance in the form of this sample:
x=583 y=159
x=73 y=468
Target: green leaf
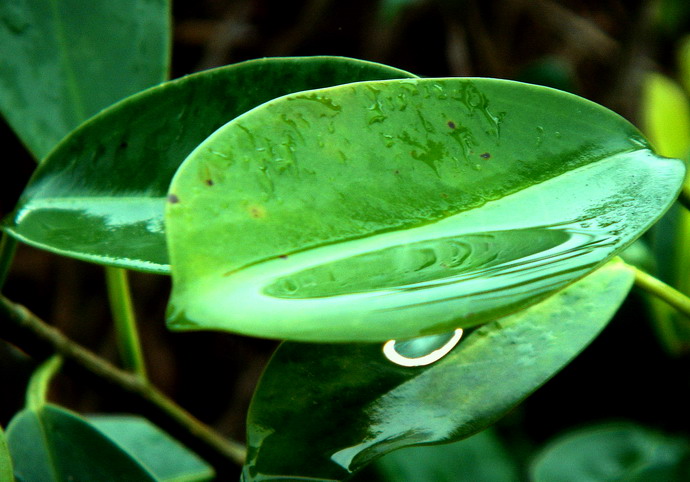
x=100 y=195
x=62 y=62
x=666 y=115
x=6 y=472
x=613 y=452
x=479 y=458
x=403 y=208
x=164 y=457
x=51 y=444
x=37 y=389
x=325 y=411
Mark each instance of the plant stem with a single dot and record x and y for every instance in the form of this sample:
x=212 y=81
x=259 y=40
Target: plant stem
x=8 y=246
x=40 y=340
x=125 y=321
x=662 y=291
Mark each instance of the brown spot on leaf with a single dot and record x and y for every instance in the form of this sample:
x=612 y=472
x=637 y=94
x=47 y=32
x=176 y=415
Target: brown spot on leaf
x=444 y=195
x=257 y=212
x=173 y=199
x=283 y=256
x=209 y=182
x=486 y=155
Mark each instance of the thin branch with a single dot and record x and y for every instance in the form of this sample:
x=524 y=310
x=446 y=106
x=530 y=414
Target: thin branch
x=661 y=290
x=28 y=332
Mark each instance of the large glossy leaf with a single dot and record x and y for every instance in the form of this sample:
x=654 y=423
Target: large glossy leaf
x=63 y=61
x=6 y=473
x=100 y=195
x=50 y=444
x=325 y=411
x=401 y=208
x=166 y=458
x=480 y=458
x=613 y=452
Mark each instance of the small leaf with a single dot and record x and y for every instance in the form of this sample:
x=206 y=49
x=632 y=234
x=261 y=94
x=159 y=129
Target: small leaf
x=615 y=452
x=326 y=411
x=6 y=472
x=162 y=455
x=479 y=458
x=403 y=208
x=100 y=195
x=62 y=62
x=51 y=444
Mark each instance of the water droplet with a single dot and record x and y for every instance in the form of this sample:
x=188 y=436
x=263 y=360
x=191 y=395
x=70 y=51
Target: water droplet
x=421 y=351
x=540 y=135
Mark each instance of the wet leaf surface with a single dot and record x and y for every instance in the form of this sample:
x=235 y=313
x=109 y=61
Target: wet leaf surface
x=325 y=411
x=100 y=195
x=404 y=208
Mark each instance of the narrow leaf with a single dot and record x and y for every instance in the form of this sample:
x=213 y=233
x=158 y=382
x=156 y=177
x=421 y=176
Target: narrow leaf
x=666 y=115
x=63 y=62
x=402 y=208
x=326 y=411
x=51 y=444
x=6 y=472
x=100 y=195
x=162 y=455
x=613 y=452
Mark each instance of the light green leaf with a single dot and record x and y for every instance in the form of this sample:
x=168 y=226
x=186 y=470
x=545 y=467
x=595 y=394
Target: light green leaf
x=6 y=472
x=51 y=444
x=100 y=195
x=63 y=61
x=480 y=458
x=613 y=452
x=166 y=458
x=402 y=208
x=666 y=115
x=37 y=389
x=325 y=411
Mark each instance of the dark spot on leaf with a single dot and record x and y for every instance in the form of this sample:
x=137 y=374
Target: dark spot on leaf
x=486 y=155
x=173 y=199
x=257 y=212
x=283 y=256
x=209 y=182
x=444 y=195
x=451 y=124
x=123 y=145
x=397 y=171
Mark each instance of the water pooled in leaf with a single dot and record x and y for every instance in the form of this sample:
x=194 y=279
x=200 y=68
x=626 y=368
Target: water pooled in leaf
x=423 y=350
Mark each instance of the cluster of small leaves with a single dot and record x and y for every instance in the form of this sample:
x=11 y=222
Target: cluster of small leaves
x=325 y=200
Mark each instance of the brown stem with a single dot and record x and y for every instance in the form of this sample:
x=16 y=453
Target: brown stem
x=38 y=339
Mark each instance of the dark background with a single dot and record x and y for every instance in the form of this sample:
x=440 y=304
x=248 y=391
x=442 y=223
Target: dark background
x=598 y=49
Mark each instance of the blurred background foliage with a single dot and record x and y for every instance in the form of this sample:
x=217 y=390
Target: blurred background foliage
x=610 y=51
